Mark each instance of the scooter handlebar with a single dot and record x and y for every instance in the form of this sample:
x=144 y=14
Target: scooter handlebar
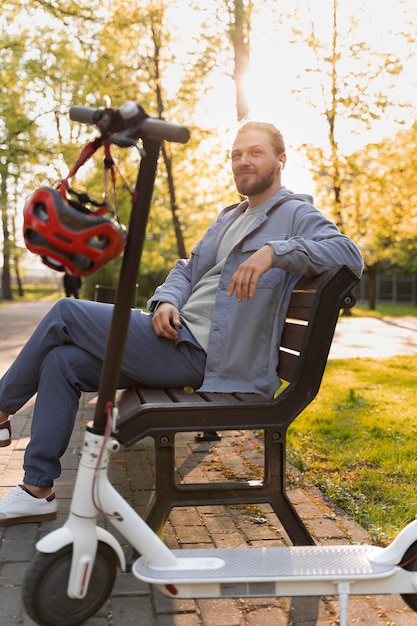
x=85 y=115
x=129 y=123
x=160 y=130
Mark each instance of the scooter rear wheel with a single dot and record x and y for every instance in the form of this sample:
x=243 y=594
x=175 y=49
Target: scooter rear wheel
x=45 y=587
x=410 y=563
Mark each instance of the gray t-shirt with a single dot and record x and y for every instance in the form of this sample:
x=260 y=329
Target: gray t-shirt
x=198 y=310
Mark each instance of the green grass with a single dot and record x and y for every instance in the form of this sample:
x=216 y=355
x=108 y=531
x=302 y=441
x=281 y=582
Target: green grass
x=33 y=293
x=384 y=310
x=357 y=441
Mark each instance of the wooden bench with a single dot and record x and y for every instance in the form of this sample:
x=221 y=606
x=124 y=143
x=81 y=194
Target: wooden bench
x=161 y=413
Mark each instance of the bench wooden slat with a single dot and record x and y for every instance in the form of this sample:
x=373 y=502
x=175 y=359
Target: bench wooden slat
x=220 y=397
x=293 y=336
x=312 y=283
x=249 y=397
x=128 y=401
x=184 y=395
x=287 y=365
x=150 y=395
x=300 y=305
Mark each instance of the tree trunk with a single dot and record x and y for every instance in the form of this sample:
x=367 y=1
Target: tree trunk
x=167 y=160
x=173 y=203
x=372 y=273
x=18 y=278
x=240 y=37
x=6 y=282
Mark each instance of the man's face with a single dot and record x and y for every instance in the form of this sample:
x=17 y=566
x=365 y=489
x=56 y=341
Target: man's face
x=255 y=165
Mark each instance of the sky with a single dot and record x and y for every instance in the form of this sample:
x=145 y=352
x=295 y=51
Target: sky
x=277 y=68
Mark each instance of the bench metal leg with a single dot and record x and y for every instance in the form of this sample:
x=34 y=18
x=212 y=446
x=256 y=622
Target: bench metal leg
x=170 y=494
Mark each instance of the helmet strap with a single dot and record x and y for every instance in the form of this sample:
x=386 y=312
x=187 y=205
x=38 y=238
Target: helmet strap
x=110 y=166
x=110 y=169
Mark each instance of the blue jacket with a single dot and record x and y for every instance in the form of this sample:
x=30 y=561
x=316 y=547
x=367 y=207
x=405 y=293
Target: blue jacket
x=244 y=336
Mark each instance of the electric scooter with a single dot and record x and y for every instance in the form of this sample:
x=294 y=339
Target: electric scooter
x=75 y=567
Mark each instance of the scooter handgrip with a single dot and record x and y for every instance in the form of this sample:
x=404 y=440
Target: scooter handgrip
x=85 y=115
x=161 y=130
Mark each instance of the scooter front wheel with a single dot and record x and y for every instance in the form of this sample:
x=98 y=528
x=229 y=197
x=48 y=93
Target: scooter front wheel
x=409 y=561
x=46 y=581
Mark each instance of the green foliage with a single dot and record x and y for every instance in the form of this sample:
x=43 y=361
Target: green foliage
x=58 y=54
x=356 y=441
x=381 y=200
x=370 y=193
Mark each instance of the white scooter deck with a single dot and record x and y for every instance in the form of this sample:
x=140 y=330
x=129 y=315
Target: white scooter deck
x=301 y=563
x=286 y=571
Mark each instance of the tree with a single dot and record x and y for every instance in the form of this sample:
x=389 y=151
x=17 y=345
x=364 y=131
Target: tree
x=89 y=54
x=356 y=83
x=380 y=204
x=33 y=66
x=18 y=143
x=148 y=52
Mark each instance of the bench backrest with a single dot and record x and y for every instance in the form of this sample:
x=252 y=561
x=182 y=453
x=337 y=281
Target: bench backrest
x=309 y=328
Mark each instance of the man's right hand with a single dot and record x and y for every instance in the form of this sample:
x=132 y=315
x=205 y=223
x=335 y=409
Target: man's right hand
x=165 y=320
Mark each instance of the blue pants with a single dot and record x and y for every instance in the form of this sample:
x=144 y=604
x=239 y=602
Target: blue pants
x=63 y=358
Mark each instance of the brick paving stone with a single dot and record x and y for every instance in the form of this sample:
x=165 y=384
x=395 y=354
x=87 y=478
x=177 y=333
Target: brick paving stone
x=17 y=550
x=322 y=528
x=229 y=540
x=192 y=534
x=9 y=601
x=269 y=616
x=220 y=612
x=219 y=524
x=132 y=610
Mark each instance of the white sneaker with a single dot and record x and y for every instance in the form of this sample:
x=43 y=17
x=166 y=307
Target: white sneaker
x=19 y=507
x=5 y=434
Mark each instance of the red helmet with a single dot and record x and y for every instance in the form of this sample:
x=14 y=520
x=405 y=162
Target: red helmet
x=68 y=236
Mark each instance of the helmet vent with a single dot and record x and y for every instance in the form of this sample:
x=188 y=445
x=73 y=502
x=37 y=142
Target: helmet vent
x=100 y=242
x=39 y=210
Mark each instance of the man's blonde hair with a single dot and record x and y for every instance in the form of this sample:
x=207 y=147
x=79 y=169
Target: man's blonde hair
x=276 y=138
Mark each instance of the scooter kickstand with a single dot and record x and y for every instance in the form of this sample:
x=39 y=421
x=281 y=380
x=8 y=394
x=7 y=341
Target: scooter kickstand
x=344 y=592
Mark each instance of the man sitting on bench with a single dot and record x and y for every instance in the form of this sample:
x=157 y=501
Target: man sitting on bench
x=214 y=324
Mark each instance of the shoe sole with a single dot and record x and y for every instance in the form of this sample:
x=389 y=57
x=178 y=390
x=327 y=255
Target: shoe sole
x=28 y=519
x=5 y=442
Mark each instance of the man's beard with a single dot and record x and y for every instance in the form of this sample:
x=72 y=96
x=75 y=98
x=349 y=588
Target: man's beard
x=257 y=185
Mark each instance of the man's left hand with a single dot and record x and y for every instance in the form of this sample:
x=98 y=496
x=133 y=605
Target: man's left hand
x=244 y=281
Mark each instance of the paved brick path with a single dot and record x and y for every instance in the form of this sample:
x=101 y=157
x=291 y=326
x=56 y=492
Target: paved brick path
x=134 y=602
